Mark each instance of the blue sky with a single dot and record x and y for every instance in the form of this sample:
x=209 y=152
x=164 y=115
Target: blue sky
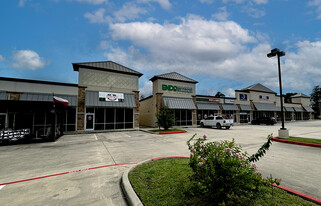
x=220 y=43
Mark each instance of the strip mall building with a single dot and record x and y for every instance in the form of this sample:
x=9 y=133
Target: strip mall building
x=107 y=98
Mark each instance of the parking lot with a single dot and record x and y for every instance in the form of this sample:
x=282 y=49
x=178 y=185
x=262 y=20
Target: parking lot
x=85 y=169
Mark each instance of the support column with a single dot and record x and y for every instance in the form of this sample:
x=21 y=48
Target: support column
x=81 y=108
x=136 y=110
x=194 y=112
x=159 y=103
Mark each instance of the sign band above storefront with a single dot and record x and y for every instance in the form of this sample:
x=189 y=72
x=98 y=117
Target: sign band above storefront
x=177 y=88
x=111 y=97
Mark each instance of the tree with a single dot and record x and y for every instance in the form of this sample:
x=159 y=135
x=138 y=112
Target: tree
x=287 y=97
x=165 y=118
x=219 y=94
x=316 y=100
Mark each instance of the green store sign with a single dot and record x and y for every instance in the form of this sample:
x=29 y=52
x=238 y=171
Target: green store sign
x=166 y=87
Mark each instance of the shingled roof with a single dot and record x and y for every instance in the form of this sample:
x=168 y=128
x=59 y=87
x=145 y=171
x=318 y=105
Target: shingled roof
x=174 y=76
x=106 y=66
x=257 y=87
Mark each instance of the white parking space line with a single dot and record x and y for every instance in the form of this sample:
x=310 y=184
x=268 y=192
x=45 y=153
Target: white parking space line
x=2 y=186
x=95 y=137
x=127 y=135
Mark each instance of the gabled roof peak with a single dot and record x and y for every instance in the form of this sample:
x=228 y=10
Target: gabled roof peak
x=173 y=76
x=300 y=95
x=258 y=87
x=106 y=66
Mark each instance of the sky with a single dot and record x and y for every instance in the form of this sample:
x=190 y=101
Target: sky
x=222 y=44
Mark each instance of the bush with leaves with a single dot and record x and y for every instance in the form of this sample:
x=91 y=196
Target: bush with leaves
x=165 y=118
x=222 y=170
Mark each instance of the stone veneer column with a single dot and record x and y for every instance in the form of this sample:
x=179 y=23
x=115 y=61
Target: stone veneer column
x=136 y=110
x=194 y=112
x=81 y=108
x=159 y=101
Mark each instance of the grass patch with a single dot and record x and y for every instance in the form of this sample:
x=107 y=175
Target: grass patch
x=304 y=140
x=169 y=130
x=166 y=182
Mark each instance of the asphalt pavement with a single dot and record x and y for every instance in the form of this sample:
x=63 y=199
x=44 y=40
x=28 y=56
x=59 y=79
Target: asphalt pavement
x=85 y=169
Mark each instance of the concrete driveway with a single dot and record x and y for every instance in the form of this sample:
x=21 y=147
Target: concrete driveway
x=85 y=169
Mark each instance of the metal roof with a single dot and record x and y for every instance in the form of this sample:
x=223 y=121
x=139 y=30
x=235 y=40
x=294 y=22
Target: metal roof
x=245 y=107
x=106 y=66
x=258 y=87
x=289 y=109
x=92 y=100
x=4 y=95
x=178 y=103
x=298 y=109
x=300 y=95
x=43 y=97
x=207 y=106
x=308 y=109
x=173 y=76
x=232 y=107
x=266 y=107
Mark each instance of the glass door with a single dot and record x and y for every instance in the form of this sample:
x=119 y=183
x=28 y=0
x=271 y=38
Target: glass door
x=90 y=117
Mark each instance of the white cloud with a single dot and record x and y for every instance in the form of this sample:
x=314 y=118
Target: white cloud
x=165 y=4
x=2 y=58
x=27 y=59
x=246 y=1
x=129 y=11
x=229 y=92
x=207 y=1
x=147 y=89
x=95 y=2
x=317 y=5
x=98 y=16
x=254 y=12
x=217 y=49
x=222 y=15
x=103 y=45
x=22 y=3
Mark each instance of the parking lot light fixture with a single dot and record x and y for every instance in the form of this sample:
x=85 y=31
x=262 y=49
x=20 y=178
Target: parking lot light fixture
x=283 y=132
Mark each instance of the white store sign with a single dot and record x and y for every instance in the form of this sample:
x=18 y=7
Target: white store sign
x=111 y=97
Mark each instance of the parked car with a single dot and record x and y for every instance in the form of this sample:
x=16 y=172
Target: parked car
x=264 y=120
x=217 y=121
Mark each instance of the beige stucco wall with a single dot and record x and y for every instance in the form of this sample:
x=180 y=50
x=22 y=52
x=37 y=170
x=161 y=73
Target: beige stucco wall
x=303 y=101
x=238 y=101
x=157 y=88
x=255 y=97
x=107 y=81
x=16 y=86
x=147 y=112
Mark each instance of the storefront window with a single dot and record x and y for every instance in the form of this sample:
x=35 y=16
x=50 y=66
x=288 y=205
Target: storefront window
x=306 y=115
x=245 y=117
x=298 y=116
x=230 y=114
x=183 y=117
x=288 y=116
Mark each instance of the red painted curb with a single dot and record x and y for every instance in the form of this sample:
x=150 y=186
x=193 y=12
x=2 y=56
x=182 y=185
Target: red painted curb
x=172 y=132
x=307 y=197
x=64 y=173
x=297 y=143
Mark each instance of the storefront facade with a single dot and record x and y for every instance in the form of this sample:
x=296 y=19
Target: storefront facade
x=175 y=91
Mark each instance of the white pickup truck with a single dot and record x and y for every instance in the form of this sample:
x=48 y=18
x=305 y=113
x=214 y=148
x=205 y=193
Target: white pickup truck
x=217 y=121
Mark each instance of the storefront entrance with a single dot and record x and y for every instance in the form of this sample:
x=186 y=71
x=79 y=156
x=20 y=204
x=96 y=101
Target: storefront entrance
x=90 y=121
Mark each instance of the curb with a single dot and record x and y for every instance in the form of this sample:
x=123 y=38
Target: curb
x=177 y=132
x=306 y=197
x=133 y=199
x=276 y=139
x=130 y=194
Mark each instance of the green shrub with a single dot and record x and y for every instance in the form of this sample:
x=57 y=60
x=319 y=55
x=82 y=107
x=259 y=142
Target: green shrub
x=222 y=171
x=165 y=118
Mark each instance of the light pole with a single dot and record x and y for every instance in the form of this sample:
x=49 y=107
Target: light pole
x=283 y=132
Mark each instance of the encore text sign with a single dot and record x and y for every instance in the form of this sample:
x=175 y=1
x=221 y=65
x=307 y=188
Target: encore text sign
x=177 y=88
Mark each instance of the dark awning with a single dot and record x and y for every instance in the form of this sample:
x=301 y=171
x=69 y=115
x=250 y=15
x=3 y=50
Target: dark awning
x=207 y=106
x=308 y=109
x=92 y=100
x=266 y=107
x=179 y=103
x=245 y=107
x=298 y=109
x=232 y=107
x=289 y=109
x=4 y=95
x=43 y=97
